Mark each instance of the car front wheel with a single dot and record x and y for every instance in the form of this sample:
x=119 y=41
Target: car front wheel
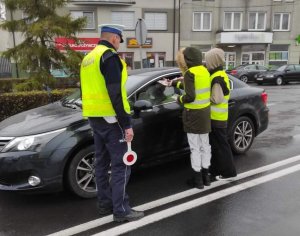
x=242 y=135
x=81 y=174
x=244 y=78
x=279 y=81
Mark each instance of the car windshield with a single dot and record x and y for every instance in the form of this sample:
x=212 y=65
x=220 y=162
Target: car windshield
x=281 y=68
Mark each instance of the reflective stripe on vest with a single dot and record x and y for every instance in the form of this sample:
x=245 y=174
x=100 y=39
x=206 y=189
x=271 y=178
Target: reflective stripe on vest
x=202 y=88
x=220 y=111
x=95 y=99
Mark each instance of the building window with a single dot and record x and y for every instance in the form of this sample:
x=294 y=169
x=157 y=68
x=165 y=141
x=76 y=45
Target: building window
x=202 y=21
x=156 y=21
x=257 y=21
x=281 y=21
x=124 y=18
x=89 y=15
x=278 y=56
x=232 y=21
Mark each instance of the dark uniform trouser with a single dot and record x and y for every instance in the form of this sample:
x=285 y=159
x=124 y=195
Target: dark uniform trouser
x=108 y=150
x=221 y=154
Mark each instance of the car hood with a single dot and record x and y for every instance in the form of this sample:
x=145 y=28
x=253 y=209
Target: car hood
x=40 y=120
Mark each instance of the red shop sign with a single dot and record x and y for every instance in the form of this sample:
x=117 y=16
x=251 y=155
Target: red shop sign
x=86 y=44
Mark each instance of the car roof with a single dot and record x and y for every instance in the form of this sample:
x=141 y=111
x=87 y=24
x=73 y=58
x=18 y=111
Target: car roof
x=140 y=77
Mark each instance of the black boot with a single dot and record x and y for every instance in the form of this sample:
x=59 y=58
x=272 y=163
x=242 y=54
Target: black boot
x=205 y=177
x=198 y=180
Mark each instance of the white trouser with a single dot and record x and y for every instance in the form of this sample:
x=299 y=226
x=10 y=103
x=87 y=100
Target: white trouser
x=200 y=151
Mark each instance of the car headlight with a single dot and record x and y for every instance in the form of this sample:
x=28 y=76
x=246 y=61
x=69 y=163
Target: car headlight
x=32 y=142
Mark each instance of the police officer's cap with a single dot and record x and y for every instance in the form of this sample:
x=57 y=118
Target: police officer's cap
x=113 y=28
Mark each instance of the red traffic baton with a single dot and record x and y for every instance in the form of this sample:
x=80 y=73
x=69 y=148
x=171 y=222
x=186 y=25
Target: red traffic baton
x=130 y=156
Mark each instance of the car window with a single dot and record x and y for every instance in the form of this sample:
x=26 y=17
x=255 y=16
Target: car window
x=290 y=67
x=250 y=67
x=281 y=68
x=297 y=67
x=156 y=93
x=262 y=68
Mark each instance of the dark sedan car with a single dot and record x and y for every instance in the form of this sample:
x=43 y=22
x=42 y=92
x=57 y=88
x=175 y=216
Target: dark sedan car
x=282 y=75
x=247 y=72
x=51 y=147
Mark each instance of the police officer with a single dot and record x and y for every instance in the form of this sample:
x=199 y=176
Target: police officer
x=104 y=101
x=222 y=165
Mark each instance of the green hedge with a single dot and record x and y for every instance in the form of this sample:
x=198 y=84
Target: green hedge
x=8 y=85
x=13 y=103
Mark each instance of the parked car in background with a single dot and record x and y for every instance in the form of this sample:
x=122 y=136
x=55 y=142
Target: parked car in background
x=282 y=75
x=51 y=147
x=247 y=72
x=60 y=73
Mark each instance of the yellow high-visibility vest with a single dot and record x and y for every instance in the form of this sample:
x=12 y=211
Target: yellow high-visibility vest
x=220 y=111
x=95 y=99
x=202 y=88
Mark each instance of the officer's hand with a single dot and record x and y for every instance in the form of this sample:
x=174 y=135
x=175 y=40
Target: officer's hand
x=129 y=135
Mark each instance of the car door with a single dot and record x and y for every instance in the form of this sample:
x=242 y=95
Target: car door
x=297 y=73
x=290 y=73
x=251 y=71
x=159 y=131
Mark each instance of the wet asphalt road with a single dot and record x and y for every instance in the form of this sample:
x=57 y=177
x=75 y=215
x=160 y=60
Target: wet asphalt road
x=243 y=207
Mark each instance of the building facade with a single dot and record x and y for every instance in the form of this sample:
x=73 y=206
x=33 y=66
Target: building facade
x=249 y=31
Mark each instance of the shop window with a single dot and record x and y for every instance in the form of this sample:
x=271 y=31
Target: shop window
x=89 y=15
x=281 y=21
x=253 y=58
x=124 y=18
x=278 y=56
x=155 y=59
x=156 y=20
x=232 y=21
x=202 y=21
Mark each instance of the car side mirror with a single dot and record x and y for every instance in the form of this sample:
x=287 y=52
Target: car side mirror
x=142 y=105
x=286 y=70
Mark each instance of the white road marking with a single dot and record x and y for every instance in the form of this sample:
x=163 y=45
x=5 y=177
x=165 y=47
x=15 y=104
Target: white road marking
x=124 y=228
x=271 y=104
x=160 y=202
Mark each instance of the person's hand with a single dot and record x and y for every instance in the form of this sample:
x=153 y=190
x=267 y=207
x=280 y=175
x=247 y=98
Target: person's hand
x=179 y=79
x=129 y=135
x=165 y=82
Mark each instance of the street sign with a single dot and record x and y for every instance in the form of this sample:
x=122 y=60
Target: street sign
x=140 y=31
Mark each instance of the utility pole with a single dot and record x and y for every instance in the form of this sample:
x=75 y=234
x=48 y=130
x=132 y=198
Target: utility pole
x=14 y=42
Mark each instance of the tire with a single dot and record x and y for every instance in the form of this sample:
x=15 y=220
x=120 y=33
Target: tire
x=244 y=78
x=81 y=174
x=242 y=135
x=279 y=80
